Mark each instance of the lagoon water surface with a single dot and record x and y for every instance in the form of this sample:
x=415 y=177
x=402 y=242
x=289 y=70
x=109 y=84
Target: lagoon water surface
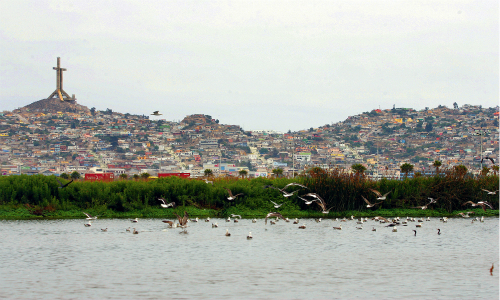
x=62 y=259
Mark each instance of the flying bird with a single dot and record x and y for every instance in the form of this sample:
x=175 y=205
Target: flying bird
x=89 y=216
x=369 y=205
x=283 y=190
x=156 y=113
x=276 y=205
x=490 y=192
x=320 y=202
x=465 y=215
x=165 y=205
x=307 y=201
x=487 y=157
x=483 y=204
x=273 y=214
x=63 y=185
x=184 y=220
x=170 y=223
x=425 y=206
x=235 y=216
x=231 y=197
x=380 y=196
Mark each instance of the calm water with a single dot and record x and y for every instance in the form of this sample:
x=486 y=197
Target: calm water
x=62 y=259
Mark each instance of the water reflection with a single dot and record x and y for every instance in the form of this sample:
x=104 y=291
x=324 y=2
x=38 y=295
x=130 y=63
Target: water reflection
x=64 y=259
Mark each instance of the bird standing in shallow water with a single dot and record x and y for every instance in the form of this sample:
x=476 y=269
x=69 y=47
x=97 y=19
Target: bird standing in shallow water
x=249 y=236
x=439 y=231
x=227 y=232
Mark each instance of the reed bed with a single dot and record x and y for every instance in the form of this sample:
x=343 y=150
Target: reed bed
x=40 y=196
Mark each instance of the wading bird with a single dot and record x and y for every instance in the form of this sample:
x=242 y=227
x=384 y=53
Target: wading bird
x=63 y=185
x=231 y=197
x=104 y=229
x=227 y=232
x=415 y=232
x=273 y=214
x=303 y=226
x=249 y=236
x=483 y=204
x=439 y=231
x=135 y=231
x=165 y=205
x=88 y=224
x=134 y=220
x=380 y=196
x=338 y=228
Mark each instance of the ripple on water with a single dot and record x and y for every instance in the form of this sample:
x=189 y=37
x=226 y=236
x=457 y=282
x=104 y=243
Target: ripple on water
x=62 y=258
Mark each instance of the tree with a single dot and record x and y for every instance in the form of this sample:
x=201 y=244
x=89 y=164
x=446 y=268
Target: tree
x=359 y=169
x=437 y=164
x=145 y=175
x=485 y=171
x=135 y=176
x=278 y=172
x=495 y=169
x=92 y=111
x=64 y=176
x=461 y=170
x=123 y=176
x=243 y=173
x=75 y=175
x=406 y=168
x=208 y=172
x=428 y=127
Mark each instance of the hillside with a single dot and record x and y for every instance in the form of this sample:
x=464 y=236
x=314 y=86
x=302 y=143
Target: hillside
x=68 y=138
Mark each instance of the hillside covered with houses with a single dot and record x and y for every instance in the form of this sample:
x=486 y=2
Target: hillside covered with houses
x=50 y=142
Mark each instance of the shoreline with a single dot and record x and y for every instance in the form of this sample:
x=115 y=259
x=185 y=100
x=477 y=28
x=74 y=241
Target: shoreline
x=22 y=213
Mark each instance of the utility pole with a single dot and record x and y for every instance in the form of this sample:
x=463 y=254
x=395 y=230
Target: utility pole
x=481 y=132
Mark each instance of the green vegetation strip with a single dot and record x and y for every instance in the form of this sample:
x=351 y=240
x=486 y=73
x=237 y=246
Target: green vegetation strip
x=40 y=197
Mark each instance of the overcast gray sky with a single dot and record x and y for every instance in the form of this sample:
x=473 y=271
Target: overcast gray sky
x=261 y=64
